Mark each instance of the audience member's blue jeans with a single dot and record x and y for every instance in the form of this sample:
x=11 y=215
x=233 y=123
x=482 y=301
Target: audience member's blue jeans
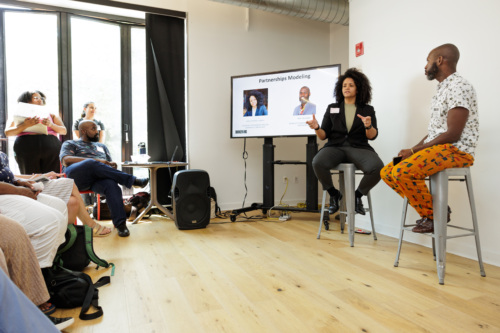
x=103 y=179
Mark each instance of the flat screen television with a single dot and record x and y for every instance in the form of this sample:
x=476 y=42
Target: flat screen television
x=278 y=104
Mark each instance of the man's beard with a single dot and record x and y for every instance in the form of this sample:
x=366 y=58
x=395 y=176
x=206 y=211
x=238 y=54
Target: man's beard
x=94 y=139
x=432 y=72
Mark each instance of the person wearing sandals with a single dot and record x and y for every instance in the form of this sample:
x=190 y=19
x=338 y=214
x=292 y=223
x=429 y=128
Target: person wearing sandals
x=62 y=188
x=19 y=262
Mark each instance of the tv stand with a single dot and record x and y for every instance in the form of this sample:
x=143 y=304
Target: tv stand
x=268 y=177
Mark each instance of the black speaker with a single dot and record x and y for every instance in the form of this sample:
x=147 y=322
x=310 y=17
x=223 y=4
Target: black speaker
x=191 y=199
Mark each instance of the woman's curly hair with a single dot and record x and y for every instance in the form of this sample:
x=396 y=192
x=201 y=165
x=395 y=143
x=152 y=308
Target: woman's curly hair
x=258 y=95
x=363 y=87
x=25 y=97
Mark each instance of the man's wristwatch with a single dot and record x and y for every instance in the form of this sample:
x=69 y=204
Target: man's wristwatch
x=367 y=128
x=317 y=128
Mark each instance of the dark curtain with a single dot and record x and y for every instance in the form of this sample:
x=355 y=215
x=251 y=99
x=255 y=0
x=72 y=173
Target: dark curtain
x=3 y=88
x=165 y=65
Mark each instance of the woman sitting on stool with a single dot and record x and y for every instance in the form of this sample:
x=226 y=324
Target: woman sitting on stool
x=348 y=125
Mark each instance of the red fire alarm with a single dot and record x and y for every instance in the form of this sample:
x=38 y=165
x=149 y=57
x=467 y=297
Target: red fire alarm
x=360 y=50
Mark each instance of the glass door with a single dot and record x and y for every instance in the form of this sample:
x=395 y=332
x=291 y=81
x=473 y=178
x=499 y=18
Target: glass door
x=31 y=52
x=96 y=77
x=33 y=44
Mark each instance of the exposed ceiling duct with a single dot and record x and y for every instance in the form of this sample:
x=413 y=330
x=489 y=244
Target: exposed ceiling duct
x=331 y=11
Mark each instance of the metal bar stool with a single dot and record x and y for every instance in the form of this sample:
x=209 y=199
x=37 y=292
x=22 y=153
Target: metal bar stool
x=347 y=172
x=439 y=191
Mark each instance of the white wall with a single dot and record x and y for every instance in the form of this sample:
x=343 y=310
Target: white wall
x=339 y=41
x=220 y=46
x=398 y=36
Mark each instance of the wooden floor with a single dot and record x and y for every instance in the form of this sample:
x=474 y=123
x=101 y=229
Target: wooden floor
x=271 y=276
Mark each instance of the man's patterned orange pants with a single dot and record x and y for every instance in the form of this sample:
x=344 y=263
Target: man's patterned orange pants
x=407 y=178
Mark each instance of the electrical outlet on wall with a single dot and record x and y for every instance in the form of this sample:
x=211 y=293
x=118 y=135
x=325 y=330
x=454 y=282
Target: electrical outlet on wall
x=285 y=179
x=296 y=179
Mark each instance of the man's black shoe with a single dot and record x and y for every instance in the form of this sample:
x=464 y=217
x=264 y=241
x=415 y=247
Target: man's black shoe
x=359 y=206
x=123 y=230
x=141 y=182
x=334 y=203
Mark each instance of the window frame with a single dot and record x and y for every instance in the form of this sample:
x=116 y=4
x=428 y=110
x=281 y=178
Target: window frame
x=64 y=66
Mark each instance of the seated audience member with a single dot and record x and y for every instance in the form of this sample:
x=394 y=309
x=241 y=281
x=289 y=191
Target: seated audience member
x=348 y=125
x=89 y=163
x=62 y=188
x=88 y=113
x=452 y=136
x=19 y=262
x=19 y=314
x=45 y=218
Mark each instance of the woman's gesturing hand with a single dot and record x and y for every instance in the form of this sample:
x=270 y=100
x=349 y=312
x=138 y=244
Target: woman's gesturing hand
x=313 y=123
x=367 y=121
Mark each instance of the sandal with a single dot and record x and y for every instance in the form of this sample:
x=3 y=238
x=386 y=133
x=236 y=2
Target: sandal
x=47 y=308
x=98 y=230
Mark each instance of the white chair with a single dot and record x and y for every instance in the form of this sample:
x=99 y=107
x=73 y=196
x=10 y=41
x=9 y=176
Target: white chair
x=347 y=173
x=439 y=191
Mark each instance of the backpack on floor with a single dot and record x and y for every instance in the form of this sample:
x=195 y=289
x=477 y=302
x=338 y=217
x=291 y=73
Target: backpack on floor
x=77 y=251
x=69 y=289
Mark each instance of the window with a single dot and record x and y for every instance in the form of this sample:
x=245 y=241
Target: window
x=33 y=40
x=31 y=62
x=95 y=60
x=139 y=101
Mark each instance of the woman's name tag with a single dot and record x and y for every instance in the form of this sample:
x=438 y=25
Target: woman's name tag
x=334 y=110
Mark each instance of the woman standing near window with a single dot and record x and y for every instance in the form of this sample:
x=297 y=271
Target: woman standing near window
x=35 y=152
x=88 y=113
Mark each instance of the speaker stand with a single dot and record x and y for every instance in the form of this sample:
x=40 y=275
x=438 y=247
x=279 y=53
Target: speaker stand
x=268 y=178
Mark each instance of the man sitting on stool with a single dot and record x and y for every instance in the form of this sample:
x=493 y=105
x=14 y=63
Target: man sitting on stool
x=451 y=140
x=89 y=163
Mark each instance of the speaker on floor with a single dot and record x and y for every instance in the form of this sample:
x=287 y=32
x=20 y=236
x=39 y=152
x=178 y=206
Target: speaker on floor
x=191 y=199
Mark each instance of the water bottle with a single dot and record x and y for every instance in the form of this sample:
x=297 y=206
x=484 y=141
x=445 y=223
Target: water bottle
x=142 y=148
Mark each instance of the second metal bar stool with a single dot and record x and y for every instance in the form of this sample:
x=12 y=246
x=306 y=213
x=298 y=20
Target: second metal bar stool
x=439 y=191
x=347 y=173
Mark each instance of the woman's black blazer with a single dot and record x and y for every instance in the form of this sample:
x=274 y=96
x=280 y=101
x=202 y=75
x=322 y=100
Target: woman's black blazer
x=335 y=126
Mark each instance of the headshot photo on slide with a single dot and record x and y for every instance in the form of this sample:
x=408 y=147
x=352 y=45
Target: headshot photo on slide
x=306 y=107
x=255 y=102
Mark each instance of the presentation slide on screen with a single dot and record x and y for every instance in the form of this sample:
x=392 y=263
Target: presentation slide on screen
x=280 y=103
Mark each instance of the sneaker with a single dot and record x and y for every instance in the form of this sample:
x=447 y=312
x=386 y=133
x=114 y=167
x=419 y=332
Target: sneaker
x=61 y=323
